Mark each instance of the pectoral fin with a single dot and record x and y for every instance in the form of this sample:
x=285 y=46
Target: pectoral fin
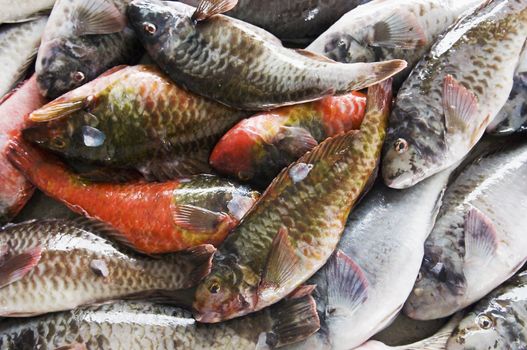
x=296 y=140
x=198 y=219
x=209 y=8
x=398 y=30
x=14 y=268
x=98 y=17
x=282 y=262
x=480 y=238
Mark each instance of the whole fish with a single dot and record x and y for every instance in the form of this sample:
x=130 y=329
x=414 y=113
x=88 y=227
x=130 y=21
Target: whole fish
x=82 y=40
x=55 y=265
x=497 y=321
x=295 y=226
x=150 y=217
x=478 y=241
x=15 y=190
x=381 y=30
x=18 y=48
x=134 y=117
x=257 y=148
x=240 y=66
x=21 y=11
x=454 y=92
x=142 y=326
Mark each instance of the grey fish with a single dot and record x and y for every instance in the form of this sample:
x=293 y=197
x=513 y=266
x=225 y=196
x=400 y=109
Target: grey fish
x=82 y=40
x=55 y=265
x=497 y=321
x=242 y=67
x=454 y=92
x=21 y=11
x=479 y=240
x=382 y=30
x=18 y=48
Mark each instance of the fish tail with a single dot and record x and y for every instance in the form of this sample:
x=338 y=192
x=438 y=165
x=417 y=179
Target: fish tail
x=379 y=104
x=359 y=76
x=201 y=259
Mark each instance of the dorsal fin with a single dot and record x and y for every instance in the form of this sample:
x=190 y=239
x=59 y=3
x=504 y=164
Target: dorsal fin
x=209 y=8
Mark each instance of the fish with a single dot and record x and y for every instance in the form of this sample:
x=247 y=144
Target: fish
x=57 y=265
x=144 y=325
x=15 y=190
x=224 y=59
x=382 y=30
x=151 y=218
x=134 y=117
x=18 y=48
x=82 y=40
x=497 y=321
x=478 y=241
x=14 y=11
x=257 y=148
x=454 y=92
x=295 y=226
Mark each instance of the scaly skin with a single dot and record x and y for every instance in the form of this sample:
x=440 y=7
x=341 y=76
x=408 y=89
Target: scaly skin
x=142 y=213
x=13 y=10
x=257 y=148
x=64 y=277
x=310 y=211
x=145 y=118
x=481 y=52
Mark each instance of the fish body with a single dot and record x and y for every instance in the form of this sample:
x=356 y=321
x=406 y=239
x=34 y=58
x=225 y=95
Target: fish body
x=147 y=326
x=381 y=30
x=497 y=321
x=21 y=11
x=454 y=92
x=478 y=240
x=150 y=217
x=240 y=66
x=134 y=117
x=56 y=265
x=295 y=226
x=82 y=40
x=18 y=48
x=513 y=116
x=257 y=148
x=15 y=190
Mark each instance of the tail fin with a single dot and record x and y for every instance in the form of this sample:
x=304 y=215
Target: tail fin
x=363 y=75
x=379 y=104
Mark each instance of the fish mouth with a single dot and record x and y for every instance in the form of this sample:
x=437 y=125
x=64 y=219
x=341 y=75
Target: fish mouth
x=207 y=317
x=399 y=181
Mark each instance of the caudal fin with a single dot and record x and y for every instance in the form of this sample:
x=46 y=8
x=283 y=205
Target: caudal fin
x=362 y=75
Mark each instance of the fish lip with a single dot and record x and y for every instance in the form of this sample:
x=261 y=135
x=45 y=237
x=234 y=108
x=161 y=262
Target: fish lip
x=400 y=182
x=207 y=317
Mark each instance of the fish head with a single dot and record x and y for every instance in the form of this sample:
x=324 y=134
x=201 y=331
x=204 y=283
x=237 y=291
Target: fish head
x=342 y=47
x=224 y=293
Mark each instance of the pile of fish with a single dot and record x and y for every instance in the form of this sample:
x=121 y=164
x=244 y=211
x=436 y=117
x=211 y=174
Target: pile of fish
x=228 y=188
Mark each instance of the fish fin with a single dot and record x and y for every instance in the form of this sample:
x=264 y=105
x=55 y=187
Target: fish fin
x=98 y=17
x=347 y=283
x=293 y=320
x=282 y=262
x=368 y=74
x=302 y=291
x=209 y=8
x=31 y=18
x=398 y=30
x=296 y=141
x=314 y=56
x=73 y=346
x=24 y=67
x=201 y=257
x=15 y=267
x=379 y=99
x=194 y=218
x=480 y=237
x=57 y=109
x=460 y=106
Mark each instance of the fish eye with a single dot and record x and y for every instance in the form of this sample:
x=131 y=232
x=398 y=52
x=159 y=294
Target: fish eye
x=400 y=146
x=79 y=76
x=58 y=142
x=149 y=28
x=484 y=322
x=419 y=276
x=214 y=288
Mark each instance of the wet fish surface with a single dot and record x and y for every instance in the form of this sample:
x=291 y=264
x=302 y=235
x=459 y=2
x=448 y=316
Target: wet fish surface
x=238 y=65
x=478 y=241
x=22 y=11
x=454 y=92
x=55 y=265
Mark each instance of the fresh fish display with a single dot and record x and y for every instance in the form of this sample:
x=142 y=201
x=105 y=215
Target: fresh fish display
x=82 y=40
x=478 y=241
x=237 y=65
x=257 y=148
x=18 y=48
x=21 y=11
x=497 y=321
x=382 y=30
x=134 y=117
x=55 y=265
x=150 y=217
x=295 y=226
x=143 y=326
x=454 y=92
x=15 y=190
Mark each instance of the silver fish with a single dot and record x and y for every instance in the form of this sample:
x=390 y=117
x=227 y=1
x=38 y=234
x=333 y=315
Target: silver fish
x=496 y=322
x=454 y=92
x=382 y=30
x=228 y=61
x=142 y=326
x=55 y=265
x=18 y=48
x=479 y=240
x=22 y=11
